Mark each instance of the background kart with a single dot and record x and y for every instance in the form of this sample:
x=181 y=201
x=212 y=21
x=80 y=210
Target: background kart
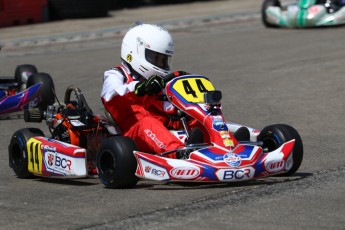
x=82 y=141
x=303 y=13
x=27 y=89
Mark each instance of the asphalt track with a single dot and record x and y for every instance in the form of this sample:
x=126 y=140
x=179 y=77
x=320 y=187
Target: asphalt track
x=267 y=76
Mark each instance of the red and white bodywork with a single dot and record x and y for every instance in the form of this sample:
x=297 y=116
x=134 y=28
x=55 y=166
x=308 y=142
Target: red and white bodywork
x=52 y=158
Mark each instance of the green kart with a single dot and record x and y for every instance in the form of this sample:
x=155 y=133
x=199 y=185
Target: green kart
x=303 y=13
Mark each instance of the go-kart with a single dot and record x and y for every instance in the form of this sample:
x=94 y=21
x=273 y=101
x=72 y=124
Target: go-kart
x=303 y=13
x=27 y=89
x=81 y=141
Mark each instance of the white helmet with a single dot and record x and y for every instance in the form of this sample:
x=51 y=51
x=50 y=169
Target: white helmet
x=148 y=49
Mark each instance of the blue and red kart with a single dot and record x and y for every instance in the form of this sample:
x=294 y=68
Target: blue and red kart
x=27 y=89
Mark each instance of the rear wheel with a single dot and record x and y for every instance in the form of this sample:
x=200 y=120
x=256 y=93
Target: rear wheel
x=116 y=163
x=22 y=73
x=265 y=5
x=274 y=136
x=46 y=91
x=17 y=151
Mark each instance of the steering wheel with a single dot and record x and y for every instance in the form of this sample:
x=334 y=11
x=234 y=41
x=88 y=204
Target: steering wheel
x=81 y=102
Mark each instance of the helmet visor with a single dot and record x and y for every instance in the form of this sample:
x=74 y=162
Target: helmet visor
x=160 y=60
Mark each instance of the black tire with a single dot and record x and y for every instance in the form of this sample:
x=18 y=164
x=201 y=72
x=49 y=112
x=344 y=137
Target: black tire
x=20 y=78
x=265 y=5
x=116 y=163
x=274 y=136
x=242 y=134
x=62 y=9
x=46 y=91
x=17 y=151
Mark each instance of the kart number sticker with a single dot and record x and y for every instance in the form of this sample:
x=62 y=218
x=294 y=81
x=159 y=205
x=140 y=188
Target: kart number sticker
x=34 y=156
x=192 y=89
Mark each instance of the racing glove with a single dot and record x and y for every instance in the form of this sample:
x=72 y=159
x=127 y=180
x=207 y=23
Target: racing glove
x=153 y=85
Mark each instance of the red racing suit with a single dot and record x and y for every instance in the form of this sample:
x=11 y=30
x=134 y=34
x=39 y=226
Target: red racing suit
x=144 y=119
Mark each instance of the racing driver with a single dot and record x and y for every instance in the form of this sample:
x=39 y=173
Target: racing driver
x=132 y=92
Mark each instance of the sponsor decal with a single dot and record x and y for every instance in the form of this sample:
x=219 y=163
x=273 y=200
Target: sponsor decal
x=228 y=142
x=275 y=166
x=58 y=162
x=147 y=169
x=50 y=159
x=48 y=148
x=33 y=103
x=232 y=160
x=77 y=123
x=219 y=158
x=158 y=172
x=155 y=172
x=63 y=163
x=185 y=172
x=224 y=134
x=152 y=171
x=218 y=122
x=151 y=135
x=226 y=138
x=240 y=174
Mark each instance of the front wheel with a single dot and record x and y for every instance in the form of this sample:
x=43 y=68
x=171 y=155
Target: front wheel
x=265 y=5
x=116 y=163
x=18 y=153
x=274 y=136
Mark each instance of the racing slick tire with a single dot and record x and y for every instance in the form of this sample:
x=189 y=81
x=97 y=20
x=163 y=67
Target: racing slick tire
x=17 y=151
x=21 y=75
x=116 y=163
x=265 y=5
x=46 y=92
x=274 y=136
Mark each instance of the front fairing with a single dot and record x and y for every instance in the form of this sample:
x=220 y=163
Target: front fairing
x=216 y=164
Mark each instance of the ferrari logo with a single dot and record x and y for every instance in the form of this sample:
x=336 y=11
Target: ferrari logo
x=129 y=57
